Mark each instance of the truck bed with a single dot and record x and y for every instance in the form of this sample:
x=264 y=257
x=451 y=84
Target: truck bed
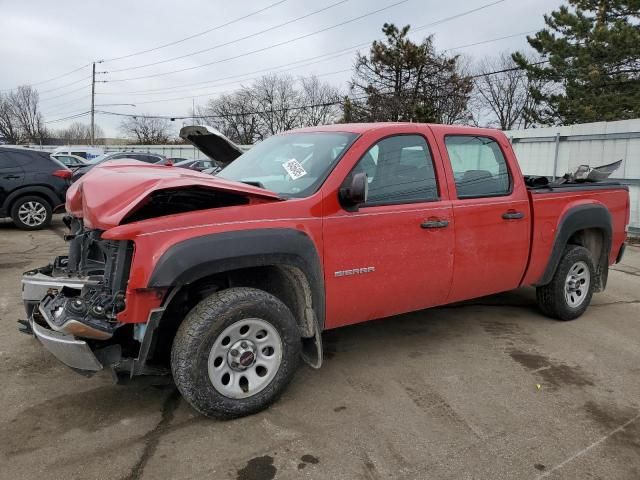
x=550 y=203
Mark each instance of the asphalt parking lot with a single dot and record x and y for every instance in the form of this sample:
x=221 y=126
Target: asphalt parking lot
x=489 y=389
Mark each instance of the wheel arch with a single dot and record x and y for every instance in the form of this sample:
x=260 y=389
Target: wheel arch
x=588 y=225
x=283 y=262
x=36 y=191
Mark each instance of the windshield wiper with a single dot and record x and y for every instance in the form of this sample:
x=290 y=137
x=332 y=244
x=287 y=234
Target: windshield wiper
x=254 y=183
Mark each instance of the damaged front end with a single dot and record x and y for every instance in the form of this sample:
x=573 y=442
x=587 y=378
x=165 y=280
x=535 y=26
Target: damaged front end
x=73 y=303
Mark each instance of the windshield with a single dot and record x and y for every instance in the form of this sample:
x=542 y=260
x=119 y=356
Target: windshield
x=293 y=164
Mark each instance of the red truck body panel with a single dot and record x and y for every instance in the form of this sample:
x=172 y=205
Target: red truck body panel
x=410 y=268
x=548 y=209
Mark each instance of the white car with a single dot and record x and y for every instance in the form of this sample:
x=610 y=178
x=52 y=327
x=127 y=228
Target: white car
x=79 y=150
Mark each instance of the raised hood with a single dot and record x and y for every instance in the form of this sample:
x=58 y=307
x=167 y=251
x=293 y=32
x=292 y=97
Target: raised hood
x=123 y=191
x=212 y=143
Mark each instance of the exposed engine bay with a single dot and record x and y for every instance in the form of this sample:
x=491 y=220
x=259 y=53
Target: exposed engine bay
x=98 y=270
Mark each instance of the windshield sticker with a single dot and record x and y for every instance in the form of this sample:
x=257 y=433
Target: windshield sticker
x=294 y=169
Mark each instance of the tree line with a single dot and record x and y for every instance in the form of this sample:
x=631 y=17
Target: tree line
x=584 y=66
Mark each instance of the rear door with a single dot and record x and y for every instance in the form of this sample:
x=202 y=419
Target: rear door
x=11 y=174
x=393 y=254
x=491 y=211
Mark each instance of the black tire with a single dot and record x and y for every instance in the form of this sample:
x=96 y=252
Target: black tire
x=551 y=297
x=41 y=204
x=198 y=334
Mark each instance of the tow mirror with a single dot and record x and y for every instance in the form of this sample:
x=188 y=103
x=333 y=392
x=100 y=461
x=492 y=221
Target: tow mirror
x=355 y=192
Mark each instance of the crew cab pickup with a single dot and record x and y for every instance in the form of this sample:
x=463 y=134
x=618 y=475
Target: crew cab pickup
x=228 y=281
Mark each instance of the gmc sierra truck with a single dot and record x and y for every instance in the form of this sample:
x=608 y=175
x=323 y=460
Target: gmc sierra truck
x=228 y=281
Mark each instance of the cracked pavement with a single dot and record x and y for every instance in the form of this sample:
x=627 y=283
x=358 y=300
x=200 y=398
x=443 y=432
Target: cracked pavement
x=484 y=389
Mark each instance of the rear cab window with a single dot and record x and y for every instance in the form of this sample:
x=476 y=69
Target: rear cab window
x=479 y=166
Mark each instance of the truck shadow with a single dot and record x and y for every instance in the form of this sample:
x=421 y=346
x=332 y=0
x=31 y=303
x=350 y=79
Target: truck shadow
x=501 y=316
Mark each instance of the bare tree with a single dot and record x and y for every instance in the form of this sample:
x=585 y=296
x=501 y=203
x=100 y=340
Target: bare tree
x=146 y=130
x=321 y=102
x=501 y=99
x=20 y=117
x=234 y=115
x=278 y=103
x=271 y=105
x=9 y=124
x=24 y=101
x=78 y=133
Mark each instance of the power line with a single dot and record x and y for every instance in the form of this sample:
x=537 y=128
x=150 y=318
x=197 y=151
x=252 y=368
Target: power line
x=196 y=34
x=208 y=94
x=49 y=80
x=64 y=86
x=263 y=48
x=65 y=94
x=305 y=62
x=337 y=53
x=457 y=15
x=53 y=107
x=337 y=102
x=78 y=115
x=230 y=42
x=206 y=82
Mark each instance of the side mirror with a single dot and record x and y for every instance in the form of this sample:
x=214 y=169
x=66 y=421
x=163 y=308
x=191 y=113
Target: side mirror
x=355 y=192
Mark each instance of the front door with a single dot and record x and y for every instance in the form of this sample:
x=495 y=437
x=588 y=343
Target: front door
x=11 y=174
x=393 y=254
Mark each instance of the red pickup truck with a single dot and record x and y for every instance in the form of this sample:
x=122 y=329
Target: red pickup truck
x=228 y=281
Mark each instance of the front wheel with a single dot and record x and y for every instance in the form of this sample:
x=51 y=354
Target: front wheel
x=235 y=352
x=569 y=293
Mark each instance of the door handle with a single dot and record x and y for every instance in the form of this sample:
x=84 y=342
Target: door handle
x=512 y=215
x=11 y=177
x=435 y=224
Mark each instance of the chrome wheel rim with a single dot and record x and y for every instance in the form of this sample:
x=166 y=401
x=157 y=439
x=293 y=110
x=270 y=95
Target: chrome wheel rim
x=245 y=358
x=32 y=213
x=576 y=285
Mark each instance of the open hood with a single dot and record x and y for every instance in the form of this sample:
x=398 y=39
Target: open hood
x=212 y=143
x=124 y=191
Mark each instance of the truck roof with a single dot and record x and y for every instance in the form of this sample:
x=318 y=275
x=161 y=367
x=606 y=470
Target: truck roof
x=367 y=127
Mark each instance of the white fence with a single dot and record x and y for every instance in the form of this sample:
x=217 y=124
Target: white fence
x=556 y=150
x=171 y=151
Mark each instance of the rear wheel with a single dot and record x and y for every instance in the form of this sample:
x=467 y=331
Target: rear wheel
x=569 y=293
x=235 y=352
x=31 y=213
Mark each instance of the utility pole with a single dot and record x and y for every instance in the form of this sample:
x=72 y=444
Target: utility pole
x=93 y=99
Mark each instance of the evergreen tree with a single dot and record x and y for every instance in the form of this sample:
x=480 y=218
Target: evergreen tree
x=405 y=81
x=592 y=68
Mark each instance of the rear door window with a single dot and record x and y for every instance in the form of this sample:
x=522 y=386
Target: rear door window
x=479 y=166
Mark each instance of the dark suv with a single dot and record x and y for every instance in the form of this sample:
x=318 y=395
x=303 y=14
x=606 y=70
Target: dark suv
x=32 y=186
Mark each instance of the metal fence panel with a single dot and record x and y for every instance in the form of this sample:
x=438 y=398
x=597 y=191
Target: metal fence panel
x=594 y=144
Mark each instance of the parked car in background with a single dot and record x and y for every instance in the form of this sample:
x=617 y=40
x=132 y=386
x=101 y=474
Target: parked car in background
x=69 y=160
x=87 y=153
x=198 y=165
x=32 y=186
x=143 y=157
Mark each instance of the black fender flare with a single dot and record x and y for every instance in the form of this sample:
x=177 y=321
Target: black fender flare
x=190 y=260
x=41 y=191
x=575 y=219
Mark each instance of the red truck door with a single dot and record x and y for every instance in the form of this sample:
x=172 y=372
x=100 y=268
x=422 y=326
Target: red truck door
x=491 y=212
x=395 y=253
